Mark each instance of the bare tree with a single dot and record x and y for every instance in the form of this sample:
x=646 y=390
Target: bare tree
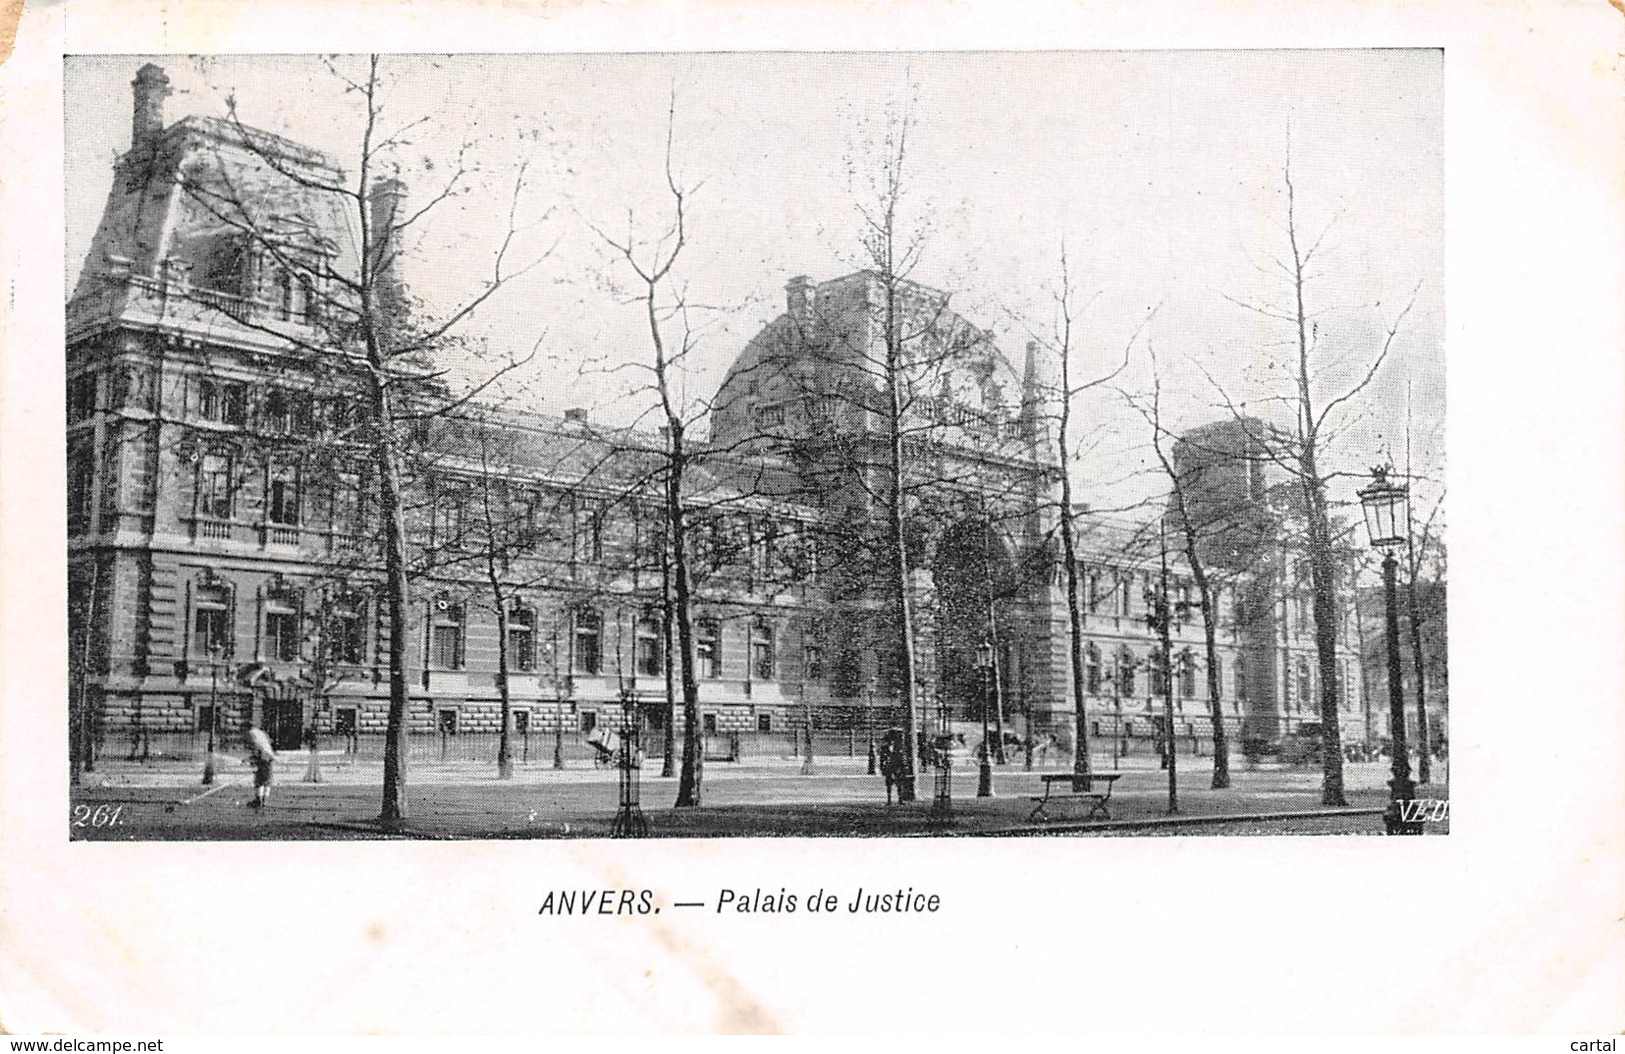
x=1300 y=450
x=1191 y=534
x=653 y=275
x=353 y=324
x=1060 y=346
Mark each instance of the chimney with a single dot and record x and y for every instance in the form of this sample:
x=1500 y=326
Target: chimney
x=383 y=247
x=798 y=302
x=384 y=202
x=150 y=88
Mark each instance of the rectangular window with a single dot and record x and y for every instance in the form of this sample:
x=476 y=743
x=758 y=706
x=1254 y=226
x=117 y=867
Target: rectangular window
x=522 y=639
x=446 y=636
x=708 y=648
x=1157 y=675
x=81 y=397
x=709 y=723
x=344 y=721
x=764 y=722
x=284 y=497
x=762 y=666
x=1125 y=672
x=233 y=402
x=448 y=520
x=648 y=648
x=210 y=631
x=277 y=412
x=349 y=642
x=589 y=631
x=814 y=663
x=447 y=722
x=214 y=487
x=81 y=484
x=521 y=722
x=588 y=534
x=589 y=720
x=208 y=400
x=446 y=647
x=205 y=717
x=282 y=636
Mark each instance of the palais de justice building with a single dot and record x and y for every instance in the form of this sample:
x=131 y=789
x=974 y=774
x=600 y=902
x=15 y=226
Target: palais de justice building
x=222 y=518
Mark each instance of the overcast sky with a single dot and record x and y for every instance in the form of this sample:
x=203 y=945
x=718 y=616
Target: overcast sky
x=1162 y=171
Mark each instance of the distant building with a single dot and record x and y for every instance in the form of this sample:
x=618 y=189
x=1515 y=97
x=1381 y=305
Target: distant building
x=222 y=519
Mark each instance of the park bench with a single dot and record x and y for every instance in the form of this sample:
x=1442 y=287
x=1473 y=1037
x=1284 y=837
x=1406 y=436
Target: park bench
x=1098 y=799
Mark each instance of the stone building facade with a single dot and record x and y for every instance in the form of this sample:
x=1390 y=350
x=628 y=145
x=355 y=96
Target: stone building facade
x=222 y=518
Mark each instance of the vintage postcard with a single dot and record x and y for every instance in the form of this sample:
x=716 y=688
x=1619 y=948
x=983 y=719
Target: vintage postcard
x=649 y=499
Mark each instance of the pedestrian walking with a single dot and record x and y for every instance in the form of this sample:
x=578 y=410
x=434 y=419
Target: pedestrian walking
x=263 y=758
x=893 y=760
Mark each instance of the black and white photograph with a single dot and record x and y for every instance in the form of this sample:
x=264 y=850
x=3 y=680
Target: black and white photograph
x=752 y=445
x=807 y=518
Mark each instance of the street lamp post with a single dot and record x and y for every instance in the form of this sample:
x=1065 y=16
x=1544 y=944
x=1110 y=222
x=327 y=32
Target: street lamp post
x=1386 y=506
x=214 y=711
x=869 y=725
x=984 y=762
x=942 y=804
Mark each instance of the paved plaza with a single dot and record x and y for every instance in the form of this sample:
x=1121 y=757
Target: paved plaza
x=161 y=802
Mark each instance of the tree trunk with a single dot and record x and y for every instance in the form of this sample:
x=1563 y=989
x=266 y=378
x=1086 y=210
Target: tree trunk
x=1164 y=632
x=1074 y=618
x=689 y=782
x=504 y=742
x=1322 y=575
x=898 y=541
x=668 y=765
x=397 y=590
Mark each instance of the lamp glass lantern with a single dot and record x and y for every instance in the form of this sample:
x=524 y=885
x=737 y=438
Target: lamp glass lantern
x=1387 y=510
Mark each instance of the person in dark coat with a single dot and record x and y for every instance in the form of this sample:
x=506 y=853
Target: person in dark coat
x=893 y=760
x=262 y=757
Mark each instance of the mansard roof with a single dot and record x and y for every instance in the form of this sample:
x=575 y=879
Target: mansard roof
x=203 y=177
